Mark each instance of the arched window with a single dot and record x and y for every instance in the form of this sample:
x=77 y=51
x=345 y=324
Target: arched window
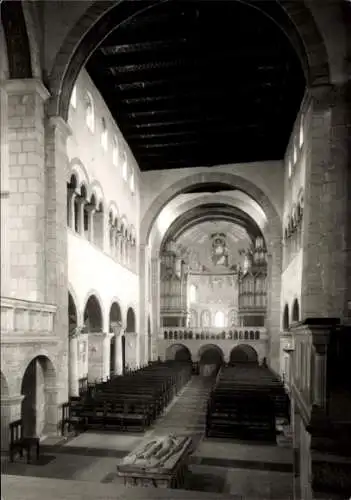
x=131 y=183
x=115 y=151
x=219 y=321
x=104 y=134
x=89 y=111
x=125 y=167
x=73 y=100
x=192 y=293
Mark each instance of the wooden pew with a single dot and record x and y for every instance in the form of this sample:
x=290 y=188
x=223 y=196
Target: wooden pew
x=131 y=401
x=245 y=403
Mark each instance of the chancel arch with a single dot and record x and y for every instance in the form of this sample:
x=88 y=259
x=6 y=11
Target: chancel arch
x=243 y=353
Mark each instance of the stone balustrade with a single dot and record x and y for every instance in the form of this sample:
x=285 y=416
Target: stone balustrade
x=26 y=317
x=213 y=333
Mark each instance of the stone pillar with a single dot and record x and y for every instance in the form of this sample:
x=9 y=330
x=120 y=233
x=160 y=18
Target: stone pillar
x=57 y=132
x=91 y=212
x=81 y=205
x=274 y=269
x=10 y=411
x=5 y=194
x=73 y=366
x=71 y=210
x=99 y=356
x=26 y=171
x=51 y=410
x=143 y=293
x=326 y=273
x=118 y=331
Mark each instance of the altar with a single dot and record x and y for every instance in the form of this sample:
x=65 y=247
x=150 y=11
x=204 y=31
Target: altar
x=160 y=462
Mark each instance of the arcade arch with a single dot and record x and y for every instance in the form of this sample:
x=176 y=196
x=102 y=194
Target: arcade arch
x=243 y=353
x=178 y=352
x=130 y=342
x=38 y=410
x=115 y=324
x=93 y=319
x=211 y=358
x=286 y=317
x=130 y=326
x=295 y=315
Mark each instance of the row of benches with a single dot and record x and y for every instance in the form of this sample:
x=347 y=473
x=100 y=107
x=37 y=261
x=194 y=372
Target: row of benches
x=245 y=402
x=127 y=403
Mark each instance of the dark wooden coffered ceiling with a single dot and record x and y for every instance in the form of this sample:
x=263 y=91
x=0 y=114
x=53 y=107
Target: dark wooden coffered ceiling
x=201 y=83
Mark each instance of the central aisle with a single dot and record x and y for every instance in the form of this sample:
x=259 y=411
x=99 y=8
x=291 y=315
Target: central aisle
x=187 y=412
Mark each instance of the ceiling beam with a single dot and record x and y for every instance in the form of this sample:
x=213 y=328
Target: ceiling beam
x=147 y=46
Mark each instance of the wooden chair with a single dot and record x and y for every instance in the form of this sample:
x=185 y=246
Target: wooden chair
x=19 y=443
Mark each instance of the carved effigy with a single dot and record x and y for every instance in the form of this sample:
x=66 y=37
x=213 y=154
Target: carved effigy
x=155 y=453
x=160 y=462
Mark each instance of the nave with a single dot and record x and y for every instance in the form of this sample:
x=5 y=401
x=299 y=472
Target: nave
x=220 y=468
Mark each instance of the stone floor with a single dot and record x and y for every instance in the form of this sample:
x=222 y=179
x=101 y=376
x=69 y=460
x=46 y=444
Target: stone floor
x=217 y=466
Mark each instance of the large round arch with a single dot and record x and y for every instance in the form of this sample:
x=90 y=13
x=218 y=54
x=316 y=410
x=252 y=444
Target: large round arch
x=192 y=181
x=38 y=405
x=178 y=352
x=93 y=319
x=243 y=353
x=97 y=22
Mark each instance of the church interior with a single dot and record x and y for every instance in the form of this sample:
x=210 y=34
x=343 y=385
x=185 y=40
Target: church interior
x=175 y=249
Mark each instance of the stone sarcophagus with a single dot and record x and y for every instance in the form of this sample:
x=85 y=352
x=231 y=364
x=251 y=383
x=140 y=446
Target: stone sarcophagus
x=160 y=462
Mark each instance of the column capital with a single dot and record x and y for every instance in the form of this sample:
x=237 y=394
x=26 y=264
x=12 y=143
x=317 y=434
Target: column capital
x=57 y=122
x=11 y=400
x=18 y=86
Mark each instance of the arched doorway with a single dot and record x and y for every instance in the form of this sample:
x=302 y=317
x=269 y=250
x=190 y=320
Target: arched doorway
x=178 y=352
x=93 y=321
x=286 y=317
x=243 y=354
x=211 y=359
x=39 y=410
x=115 y=323
x=5 y=414
x=295 y=311
x=129 y=342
